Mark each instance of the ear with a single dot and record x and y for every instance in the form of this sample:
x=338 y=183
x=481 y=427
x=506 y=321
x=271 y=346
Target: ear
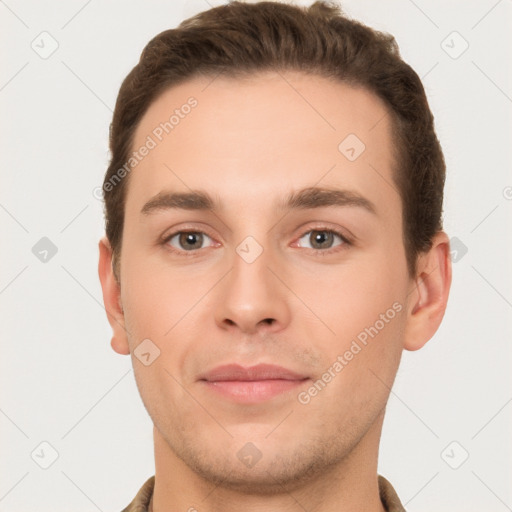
x=430 y=293
x=112 y=298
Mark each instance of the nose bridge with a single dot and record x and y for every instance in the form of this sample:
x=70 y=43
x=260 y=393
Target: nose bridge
x=252 y=296
x=250 y=265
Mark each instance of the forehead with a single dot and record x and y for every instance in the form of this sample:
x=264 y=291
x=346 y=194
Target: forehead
x=261 y=136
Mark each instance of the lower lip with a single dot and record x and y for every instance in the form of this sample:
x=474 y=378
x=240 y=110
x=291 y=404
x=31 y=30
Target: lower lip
x=253 y=391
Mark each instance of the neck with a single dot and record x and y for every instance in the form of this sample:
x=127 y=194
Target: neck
x=349 y=485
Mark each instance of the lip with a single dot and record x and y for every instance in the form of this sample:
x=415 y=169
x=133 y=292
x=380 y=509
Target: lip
x=236 y=372
x=251 y=384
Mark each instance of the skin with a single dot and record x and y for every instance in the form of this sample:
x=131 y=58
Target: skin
x=249 y=143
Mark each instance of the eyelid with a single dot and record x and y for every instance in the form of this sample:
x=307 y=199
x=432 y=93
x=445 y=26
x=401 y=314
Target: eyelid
x=344 y=233
x=198 y=228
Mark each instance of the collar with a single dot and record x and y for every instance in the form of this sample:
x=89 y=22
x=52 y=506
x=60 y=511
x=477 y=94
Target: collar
x=143 y=500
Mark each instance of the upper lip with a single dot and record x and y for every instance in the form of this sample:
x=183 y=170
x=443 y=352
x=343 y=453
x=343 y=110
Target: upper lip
x=236 y=372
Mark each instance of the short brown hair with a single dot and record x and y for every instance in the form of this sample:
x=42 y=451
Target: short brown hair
x=240 y=39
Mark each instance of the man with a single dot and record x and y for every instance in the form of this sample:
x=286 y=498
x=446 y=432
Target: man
x=273 y=243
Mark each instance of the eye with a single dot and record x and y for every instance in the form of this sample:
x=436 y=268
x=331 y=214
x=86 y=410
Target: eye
x=319 y=240
x=187 y=240
x=322 y=239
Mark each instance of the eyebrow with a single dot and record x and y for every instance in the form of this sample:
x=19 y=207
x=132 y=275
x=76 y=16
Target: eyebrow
x=307 y=198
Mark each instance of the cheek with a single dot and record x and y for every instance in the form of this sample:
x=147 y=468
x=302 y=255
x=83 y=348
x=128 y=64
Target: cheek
x=167 y=306
x=349 y=298
x=364 y=307
x=156 y=297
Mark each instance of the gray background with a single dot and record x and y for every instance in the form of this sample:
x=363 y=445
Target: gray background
x=62 y=384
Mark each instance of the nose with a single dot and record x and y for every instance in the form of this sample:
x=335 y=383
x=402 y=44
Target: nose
x=251 y=298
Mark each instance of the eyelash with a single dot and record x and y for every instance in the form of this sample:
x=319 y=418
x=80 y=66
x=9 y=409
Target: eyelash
x=322 y=252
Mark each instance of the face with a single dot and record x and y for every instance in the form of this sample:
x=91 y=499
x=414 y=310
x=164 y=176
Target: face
x=263 y=264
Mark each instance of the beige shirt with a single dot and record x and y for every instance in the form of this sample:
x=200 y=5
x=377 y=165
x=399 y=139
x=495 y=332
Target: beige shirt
x=143 y=500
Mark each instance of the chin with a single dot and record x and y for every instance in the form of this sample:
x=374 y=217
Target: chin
x=250 y=471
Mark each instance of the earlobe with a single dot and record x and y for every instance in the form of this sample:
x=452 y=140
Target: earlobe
x=430 y=293
x=112 y=298
x=119 y=346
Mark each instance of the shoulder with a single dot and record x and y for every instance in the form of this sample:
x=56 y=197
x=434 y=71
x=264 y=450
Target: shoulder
x=389 y=497
x=141 y=501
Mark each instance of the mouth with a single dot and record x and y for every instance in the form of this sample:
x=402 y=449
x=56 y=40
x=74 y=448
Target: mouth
x=251 y=384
